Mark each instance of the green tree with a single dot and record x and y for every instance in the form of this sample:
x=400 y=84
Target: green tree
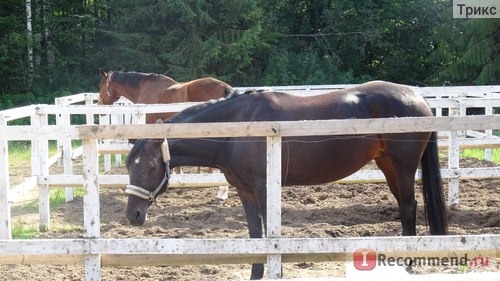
x=13 y=47
x=362 y=40
x=184 y=39
x=468 y=52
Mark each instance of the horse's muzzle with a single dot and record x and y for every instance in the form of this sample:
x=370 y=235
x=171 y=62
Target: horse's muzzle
x=137 y=218
x=136 y=213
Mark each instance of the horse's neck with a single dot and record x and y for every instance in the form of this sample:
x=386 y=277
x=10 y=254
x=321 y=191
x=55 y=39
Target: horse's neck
x=132 y=94
x=153 y=88
x=164 y=82
x=192 y=152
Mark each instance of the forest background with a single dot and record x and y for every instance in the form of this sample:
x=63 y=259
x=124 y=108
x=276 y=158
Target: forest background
x=55 y=48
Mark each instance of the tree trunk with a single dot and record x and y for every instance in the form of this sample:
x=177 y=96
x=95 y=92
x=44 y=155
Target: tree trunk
x=47 y=37
x=29 y=41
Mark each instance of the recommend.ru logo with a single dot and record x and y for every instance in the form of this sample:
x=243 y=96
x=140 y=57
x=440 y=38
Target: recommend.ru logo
x=368 y=259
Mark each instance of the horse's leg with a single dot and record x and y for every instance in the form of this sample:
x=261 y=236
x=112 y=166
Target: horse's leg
x=254 y=221
x=401 y=180
x=386 y=168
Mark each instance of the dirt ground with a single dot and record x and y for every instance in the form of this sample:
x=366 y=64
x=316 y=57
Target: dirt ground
x=331 y=210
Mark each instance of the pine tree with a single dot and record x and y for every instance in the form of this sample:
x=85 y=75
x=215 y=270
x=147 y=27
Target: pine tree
x=469 y=53
x=183 y=39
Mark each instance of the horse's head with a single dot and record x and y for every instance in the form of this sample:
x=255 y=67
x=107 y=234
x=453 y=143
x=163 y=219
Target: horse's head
x=149 y=172
x=106 y=92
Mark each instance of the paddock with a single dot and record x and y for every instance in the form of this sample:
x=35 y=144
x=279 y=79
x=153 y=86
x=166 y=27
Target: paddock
x=94 y=251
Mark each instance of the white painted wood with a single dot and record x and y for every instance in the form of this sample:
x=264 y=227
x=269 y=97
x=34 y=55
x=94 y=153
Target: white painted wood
x=240 y=129
x=453 y=161
x=463 y=102
x=477 y=142
x=105 y=120
x=40 y=167
x=18 y=112
x=89 y=115
x=211 y=180
x=5 y=219
x=289 y=128
x=91 y=216
x=219 y=246
x=18 y=191
x=91 y=206
x=273 y=220
x=488 y=153
x=93 y=267
x=64 y=147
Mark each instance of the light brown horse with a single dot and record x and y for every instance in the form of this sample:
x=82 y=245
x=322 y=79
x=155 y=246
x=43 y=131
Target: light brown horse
x=149 y=88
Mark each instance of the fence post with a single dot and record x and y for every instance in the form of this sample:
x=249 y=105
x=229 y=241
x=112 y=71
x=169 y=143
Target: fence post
x=117 y=119
x=40 y=167
x=454 y=157
x=105 y=120
x=64 y=146
x=273 y=182
x=5 y=220
x=488 y=152
x=91 y=206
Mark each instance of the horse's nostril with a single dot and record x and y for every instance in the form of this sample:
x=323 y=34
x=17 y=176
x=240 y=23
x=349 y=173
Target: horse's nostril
x=137 y=215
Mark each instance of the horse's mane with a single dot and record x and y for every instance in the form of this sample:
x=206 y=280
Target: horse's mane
x=133 y=78
x=191 y=111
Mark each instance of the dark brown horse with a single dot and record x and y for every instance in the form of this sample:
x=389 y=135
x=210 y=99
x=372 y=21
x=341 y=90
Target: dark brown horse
x=151 y=88
x=305 y=160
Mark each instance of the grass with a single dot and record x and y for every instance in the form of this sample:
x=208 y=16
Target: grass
x=57 y=198
x=22 y=231
x=479 y=154
x=20 y=153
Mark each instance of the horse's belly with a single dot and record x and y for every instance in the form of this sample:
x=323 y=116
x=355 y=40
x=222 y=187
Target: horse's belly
x=323 y=164
x=318 y=176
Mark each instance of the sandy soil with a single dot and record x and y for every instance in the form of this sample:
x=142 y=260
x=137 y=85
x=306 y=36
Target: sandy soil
x=331 y=210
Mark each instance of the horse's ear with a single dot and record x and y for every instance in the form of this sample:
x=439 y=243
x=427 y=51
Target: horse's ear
x=159 y=121
x=103 y=73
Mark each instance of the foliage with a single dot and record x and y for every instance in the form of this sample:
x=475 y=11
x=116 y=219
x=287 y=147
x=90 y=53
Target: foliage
x=184 y=39
x=243 y=42
x=471 y=53
x=13 y=42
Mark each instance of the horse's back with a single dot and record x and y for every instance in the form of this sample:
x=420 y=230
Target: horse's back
x=206 y=88
x=385 y=99
x=376 y=99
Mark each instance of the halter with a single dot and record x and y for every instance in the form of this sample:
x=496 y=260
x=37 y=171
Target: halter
x=108 y=81
x=107 y=84
x=151 y=195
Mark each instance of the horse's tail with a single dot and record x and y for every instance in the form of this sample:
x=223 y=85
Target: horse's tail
x=434 y=202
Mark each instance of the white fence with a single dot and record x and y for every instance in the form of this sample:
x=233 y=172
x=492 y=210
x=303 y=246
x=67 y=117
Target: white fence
x=95 y=252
